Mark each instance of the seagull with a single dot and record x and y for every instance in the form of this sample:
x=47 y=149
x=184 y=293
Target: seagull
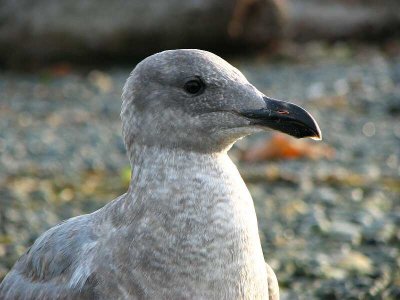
x=186 y=228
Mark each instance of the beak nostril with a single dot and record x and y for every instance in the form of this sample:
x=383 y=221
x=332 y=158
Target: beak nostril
x=283 y=112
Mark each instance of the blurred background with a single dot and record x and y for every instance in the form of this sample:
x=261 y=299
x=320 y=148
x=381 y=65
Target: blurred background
x=328 y=212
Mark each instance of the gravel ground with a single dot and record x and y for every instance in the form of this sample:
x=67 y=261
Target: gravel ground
x=329 y=227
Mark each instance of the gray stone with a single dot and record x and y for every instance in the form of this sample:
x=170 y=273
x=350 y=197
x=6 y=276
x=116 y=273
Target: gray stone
x=345 y=231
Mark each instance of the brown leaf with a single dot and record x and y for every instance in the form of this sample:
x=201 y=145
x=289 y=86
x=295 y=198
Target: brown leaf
x=281 y=146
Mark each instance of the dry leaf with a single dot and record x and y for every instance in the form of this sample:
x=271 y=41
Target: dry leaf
x=281 y=146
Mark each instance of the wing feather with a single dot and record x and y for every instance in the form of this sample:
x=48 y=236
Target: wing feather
x=57 y=266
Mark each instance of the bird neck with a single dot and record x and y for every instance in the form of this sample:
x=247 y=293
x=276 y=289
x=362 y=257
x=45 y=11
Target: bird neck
x=165 y=180
x=165 y=164
x=195 y=210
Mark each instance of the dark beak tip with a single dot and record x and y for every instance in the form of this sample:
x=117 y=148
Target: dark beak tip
x=313 y=133
x=316 y=133
x=317 y=136
x=301 y=126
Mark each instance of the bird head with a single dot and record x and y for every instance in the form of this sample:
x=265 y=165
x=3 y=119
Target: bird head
x=194 y=100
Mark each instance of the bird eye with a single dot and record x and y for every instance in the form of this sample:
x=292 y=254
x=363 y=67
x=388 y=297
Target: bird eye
x=194 y=86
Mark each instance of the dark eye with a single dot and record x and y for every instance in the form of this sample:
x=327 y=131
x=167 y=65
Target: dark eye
x=194 y=86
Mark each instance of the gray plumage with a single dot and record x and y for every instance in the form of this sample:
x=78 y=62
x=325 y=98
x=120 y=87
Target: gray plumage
x=186 y=228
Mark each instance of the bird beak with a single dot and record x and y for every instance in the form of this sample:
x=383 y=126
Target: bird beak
x=285 y=117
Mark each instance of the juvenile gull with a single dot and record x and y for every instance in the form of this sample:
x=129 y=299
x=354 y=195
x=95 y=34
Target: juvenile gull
x=186 y=228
